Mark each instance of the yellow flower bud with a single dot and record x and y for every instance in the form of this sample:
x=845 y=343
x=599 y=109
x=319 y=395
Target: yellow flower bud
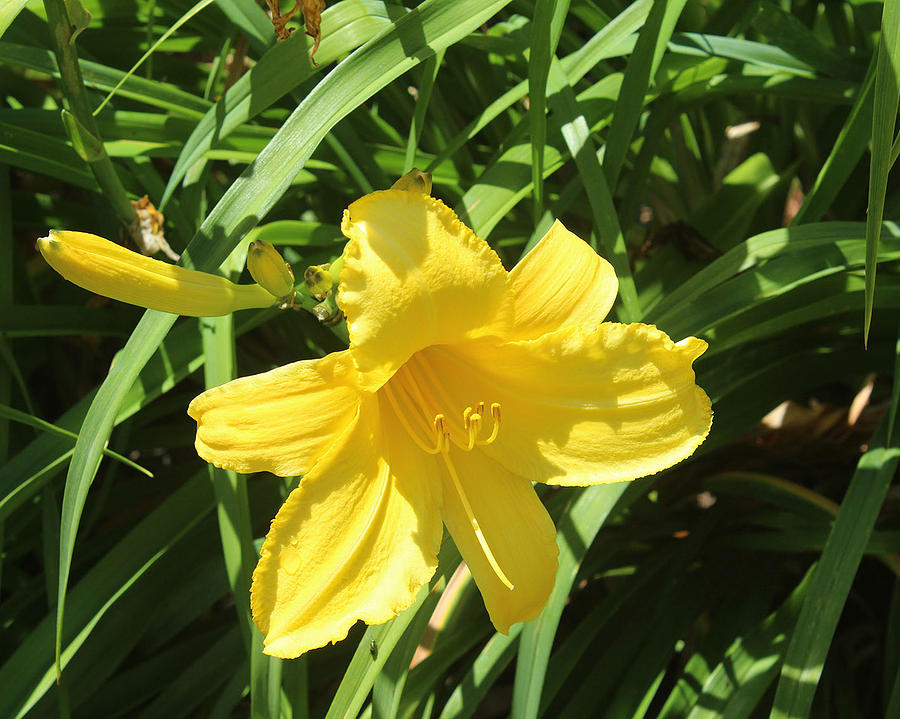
x=414 y=181
x=319 y=280
x=109 y=269
x=269 y=269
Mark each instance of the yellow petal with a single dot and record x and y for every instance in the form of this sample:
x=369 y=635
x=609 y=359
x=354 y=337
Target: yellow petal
x=516 y=529
x=562 y=282
x=279 y=421
x=355 y=541
x=109 y=269
x=578 y=408
x=413 y=276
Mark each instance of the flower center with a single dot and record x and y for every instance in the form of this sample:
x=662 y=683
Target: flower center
x=410 y=404
x=420 y=400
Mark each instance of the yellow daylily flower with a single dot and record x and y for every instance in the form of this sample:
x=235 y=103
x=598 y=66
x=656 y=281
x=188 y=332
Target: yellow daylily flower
x=105 y=268
x=463 y=384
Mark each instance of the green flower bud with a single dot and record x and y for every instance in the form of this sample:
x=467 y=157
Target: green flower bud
x=414 y=181
x=319 y=281
x=269 y=269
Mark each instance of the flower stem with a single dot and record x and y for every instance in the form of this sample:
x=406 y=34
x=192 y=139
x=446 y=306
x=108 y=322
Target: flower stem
x=78 y=119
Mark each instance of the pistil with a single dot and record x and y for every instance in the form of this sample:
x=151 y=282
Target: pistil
x=470 y=516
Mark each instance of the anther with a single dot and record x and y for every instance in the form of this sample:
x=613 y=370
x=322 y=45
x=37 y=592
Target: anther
x=472 y=423
x=495 y=430
x=441 y=436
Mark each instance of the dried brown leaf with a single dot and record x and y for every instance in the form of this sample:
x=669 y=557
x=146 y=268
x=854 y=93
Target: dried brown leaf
x=148 y=233
x=312 y=16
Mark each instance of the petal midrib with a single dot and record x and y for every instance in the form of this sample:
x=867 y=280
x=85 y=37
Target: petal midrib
x=384 y=476
x=555 y=401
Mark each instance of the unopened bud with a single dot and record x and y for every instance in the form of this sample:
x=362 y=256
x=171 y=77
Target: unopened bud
x=269 y=269
x=319 y=281
x=109 y=269
x=414 y=181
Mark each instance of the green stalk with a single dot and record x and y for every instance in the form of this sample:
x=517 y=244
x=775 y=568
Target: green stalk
x=7 y=275
x=233 y=508
x=77 y=118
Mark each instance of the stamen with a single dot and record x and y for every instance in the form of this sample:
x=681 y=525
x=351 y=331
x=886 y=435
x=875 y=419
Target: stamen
x=495 y=430
x=412 y=398
x=401 y=415
x=430 y=383
x=472 y=423
x=470 y=515
x=416 y=386
x=443 y=437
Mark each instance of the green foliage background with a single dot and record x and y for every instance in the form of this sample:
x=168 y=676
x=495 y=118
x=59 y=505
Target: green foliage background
x=757 y=579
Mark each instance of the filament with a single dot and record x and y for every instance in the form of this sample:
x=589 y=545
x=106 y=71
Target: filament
x=495 y=415
x=472 y=422
x=401 y=415
x=473 y=522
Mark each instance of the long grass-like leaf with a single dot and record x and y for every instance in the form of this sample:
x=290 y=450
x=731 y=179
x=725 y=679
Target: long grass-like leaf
x=8 y=12
x=575 y=533
x=642 y=65
x=735 y=686
x=345 y=28
x=836 y=569
x=29 y=673
x=159 y=41
x=493 y=659
x=97 y=75
x=576 y=133
x=851 y=143
x=17 y=416
x=430 y=70
x=545 y=30
x=887 y=95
